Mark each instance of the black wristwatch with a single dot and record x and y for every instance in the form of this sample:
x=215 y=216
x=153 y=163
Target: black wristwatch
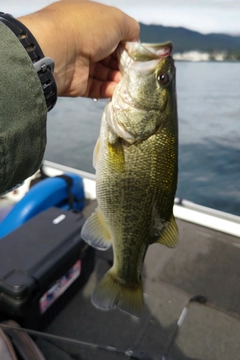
x=44 y=66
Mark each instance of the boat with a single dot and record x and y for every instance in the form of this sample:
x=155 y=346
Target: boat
x=191 y=292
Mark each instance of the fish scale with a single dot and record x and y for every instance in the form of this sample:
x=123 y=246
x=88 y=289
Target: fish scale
x=136 y=170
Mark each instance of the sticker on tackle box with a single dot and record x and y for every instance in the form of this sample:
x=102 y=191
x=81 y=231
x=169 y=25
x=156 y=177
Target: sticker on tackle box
x=59 y=287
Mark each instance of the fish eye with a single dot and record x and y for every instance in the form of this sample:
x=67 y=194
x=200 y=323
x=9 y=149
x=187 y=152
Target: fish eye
x=163 y=78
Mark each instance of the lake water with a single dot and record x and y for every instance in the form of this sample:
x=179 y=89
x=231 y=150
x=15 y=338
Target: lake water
x=209 y=133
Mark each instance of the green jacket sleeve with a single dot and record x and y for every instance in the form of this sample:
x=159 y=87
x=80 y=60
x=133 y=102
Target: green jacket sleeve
x=23 y=113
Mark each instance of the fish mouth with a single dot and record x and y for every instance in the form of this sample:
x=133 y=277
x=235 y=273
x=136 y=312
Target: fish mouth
x=146 y=51
x=155 y=50
x=143 y=57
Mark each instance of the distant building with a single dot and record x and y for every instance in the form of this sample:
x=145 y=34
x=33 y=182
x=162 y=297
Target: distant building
x=192 y=56
x=202 y=56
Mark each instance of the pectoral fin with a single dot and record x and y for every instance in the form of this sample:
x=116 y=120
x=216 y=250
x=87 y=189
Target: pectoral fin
x=95 y=232
x=169 y=236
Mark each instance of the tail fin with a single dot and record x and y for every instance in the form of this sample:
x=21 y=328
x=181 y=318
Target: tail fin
x=110 y=293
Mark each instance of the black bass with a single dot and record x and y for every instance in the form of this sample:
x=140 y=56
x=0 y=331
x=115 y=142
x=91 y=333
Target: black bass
x=136 y=161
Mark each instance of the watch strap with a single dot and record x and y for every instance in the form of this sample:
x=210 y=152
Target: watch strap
x=44 y=66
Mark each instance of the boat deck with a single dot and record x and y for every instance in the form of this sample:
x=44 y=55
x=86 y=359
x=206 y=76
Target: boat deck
x=192 y=306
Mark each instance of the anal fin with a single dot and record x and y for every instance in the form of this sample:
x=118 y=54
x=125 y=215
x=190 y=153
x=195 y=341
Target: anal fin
x=169 y=236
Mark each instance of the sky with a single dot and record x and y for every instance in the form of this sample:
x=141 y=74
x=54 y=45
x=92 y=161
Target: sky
x=205 y=16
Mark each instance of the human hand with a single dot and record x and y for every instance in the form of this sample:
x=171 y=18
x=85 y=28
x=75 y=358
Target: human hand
x=81 y=37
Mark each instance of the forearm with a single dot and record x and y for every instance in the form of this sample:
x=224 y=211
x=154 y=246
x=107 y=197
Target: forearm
x=23 y=113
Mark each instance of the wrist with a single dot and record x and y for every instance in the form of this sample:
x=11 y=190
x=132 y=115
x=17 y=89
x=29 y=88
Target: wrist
x=52 y=40
x=43 y=66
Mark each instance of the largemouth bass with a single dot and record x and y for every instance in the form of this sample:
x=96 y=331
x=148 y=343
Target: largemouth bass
x=136 y=161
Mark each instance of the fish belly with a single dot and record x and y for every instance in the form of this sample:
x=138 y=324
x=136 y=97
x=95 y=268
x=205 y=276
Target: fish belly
x=136 y=186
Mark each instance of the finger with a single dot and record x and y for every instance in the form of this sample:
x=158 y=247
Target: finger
x=100 y=90
x=110 y=62
x=103 y=73
x=130 y=28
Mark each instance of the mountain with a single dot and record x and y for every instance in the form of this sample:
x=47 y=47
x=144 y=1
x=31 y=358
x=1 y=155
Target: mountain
x=187 y=40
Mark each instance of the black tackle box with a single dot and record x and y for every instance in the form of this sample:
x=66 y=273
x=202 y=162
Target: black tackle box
x=43 y=264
